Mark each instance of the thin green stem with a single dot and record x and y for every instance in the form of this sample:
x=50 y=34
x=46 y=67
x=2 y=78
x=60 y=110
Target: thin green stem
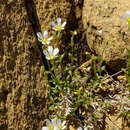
x=72 y=44
x=57 y=38
x=128 y=26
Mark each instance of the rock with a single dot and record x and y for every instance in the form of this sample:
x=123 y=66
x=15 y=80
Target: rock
x=107 y=34
x=122 y=79
x=48 y=10
x=22 y=85
x=115 y=123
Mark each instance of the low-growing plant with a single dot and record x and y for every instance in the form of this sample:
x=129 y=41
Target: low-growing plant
x=69 y=93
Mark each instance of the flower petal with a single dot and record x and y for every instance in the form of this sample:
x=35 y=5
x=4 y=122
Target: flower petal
x=58 y=122
x=47 y=57
x=46 y=54
x=63 y=25
x=54 y=122
x=50 y=50
x=45 y=128
x=54 y=29
x=48 y=42
x=45 y=34
x=48 y=122
x=63 y=127
x=85 y=128
x=63 y=123
x=56 y=50
x=39 y=39
x=39 y=35
x=53 y=24
x=128 y=13
x=50 y=38
x=59 y=21
x=79 y=128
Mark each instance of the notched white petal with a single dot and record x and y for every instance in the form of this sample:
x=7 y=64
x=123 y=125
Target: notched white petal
x=46 y=53
x=39 y=34
x=59 y=21
x=50 y=49
x=47 y=57
x=45 y=128
x=63 y=25
x=53 y=24
x=128 y=13
x=54 y=121
x=39 y=39
x=50 y=38
x=64 y=127
x=55 y=52
x=85 y=128
x=58 y=121
x=79 y=128
x=48 y=122
x=48 y=42
x=64 y=122
x=54 y=29
x=45 y=34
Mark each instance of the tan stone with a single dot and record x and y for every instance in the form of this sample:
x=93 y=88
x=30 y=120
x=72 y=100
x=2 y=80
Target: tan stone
x=106 y=15
x=22 y=85
x=115 y=123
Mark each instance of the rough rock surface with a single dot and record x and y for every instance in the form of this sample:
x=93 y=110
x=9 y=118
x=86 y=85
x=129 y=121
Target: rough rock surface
x=106 y=15
x=22 y=85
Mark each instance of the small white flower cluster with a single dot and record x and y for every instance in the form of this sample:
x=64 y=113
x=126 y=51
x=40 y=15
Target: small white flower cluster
x=50 y=53
x=58 y=26
x=54 y=124
x=126 y=16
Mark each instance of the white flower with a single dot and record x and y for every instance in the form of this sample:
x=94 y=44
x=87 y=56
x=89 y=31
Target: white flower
x=54 y=124
x=82 y=129
x=44 y=39
x=51 y=53
x=100 y=32
x=126 y=16
x=60 y=125
x=58 y=26
x=45 y=128
x=51 y=125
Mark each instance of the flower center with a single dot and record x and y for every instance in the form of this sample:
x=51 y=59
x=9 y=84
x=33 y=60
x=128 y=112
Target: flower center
x=44 y=40
x=128 y=20
x=58 y=27
x=51 y=127
x=60 y=127
x=51 y=57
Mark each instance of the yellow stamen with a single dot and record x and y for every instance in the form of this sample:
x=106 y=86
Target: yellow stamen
x=51 y=57
x=44 y=40
x=60 y=127
x=128 y=20
x=51 y=127
x=58 y=27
